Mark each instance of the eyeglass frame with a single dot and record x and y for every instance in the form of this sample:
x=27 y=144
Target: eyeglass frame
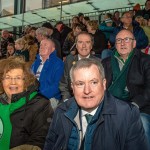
x=126 y=38
x=16 y=79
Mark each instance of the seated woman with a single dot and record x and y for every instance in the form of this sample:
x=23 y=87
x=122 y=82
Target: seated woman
x=25 y=115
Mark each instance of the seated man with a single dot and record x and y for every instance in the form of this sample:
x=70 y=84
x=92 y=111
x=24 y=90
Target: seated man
x=48 y=69
x=128 y=75
x=93 y=119
x=84 y=43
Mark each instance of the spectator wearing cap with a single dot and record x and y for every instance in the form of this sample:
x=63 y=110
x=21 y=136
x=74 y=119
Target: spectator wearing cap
x=64 y=30
x=55 y=35
x=129 y=24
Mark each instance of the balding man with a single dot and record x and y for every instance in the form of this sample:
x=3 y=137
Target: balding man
x=128 y=75
x=48 y=69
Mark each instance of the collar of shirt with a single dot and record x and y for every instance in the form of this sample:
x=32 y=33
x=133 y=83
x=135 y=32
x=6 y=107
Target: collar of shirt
x=83 y=112
x=81 y=58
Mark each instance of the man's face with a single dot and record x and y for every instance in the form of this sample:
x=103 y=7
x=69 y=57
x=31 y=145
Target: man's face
x=147 y=5
x=46 y=48
x=124 y=47
x=126 y=19
x=5 y=34
x=84 y=45
x=88 y=87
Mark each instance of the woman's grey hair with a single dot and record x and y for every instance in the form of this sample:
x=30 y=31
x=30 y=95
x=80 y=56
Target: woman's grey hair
x=42 y=31
x=86 y=63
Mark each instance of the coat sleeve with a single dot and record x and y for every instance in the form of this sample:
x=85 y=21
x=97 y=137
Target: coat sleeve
x=39 y=128
x=54 y=136
x=135 y=138
x=64 y=84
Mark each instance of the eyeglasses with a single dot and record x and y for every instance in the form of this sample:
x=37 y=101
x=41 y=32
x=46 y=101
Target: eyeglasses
x=125 y=40
x=16 y=79
x=80 y=84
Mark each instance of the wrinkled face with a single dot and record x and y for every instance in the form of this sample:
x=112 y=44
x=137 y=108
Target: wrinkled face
x=125 y=47
x=10 y=50
x=13 y=82
x=88 y=87
x=126 y=18
x=46 y=48
x=84 y=45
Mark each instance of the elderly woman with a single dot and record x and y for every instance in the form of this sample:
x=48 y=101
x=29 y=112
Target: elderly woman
x=24 y=115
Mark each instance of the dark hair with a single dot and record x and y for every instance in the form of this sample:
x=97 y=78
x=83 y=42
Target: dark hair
x=16 y=62
x=48 y=25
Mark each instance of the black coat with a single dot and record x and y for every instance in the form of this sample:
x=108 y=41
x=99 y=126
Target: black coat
x=138 y=79
x=30 y=123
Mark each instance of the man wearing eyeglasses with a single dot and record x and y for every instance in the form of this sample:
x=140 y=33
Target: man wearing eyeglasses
x=128 y=75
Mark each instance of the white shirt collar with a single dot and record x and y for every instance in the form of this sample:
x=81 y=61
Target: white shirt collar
x=81 y=58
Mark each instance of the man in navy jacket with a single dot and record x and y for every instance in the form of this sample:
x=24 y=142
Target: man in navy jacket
x=114 y=125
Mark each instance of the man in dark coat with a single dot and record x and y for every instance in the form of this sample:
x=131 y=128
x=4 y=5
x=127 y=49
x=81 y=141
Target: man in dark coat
x=84 y=43
x=128 y=75
x=93 y=119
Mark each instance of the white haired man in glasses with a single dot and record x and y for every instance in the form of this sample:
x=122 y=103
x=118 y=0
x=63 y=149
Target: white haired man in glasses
x=128 y=75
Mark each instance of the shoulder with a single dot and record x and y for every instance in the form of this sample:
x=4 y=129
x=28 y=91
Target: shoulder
x=39 y=102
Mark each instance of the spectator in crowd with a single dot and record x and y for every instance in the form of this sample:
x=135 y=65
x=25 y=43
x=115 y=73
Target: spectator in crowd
x=25 y=115
x=54 y=34
x=85 y=20
x=32 y=48
x=93 y=119
x=81 y=16
x=21 y=47
x=116 y=18
x=5 y=40
x=64 y=31
x=146 y=10
x=75 y=20
x=69 y=44
x=127 y=23
x=127 y=74
x=84 y=43
x=100 y=42
x=48 y=69
x=10 y=50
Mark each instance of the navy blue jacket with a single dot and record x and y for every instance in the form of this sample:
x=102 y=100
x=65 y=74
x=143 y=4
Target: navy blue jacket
x=118 y=127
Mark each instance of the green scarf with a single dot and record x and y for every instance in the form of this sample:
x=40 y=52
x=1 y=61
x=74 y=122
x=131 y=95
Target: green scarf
x=118 y=85
x=5 y=123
